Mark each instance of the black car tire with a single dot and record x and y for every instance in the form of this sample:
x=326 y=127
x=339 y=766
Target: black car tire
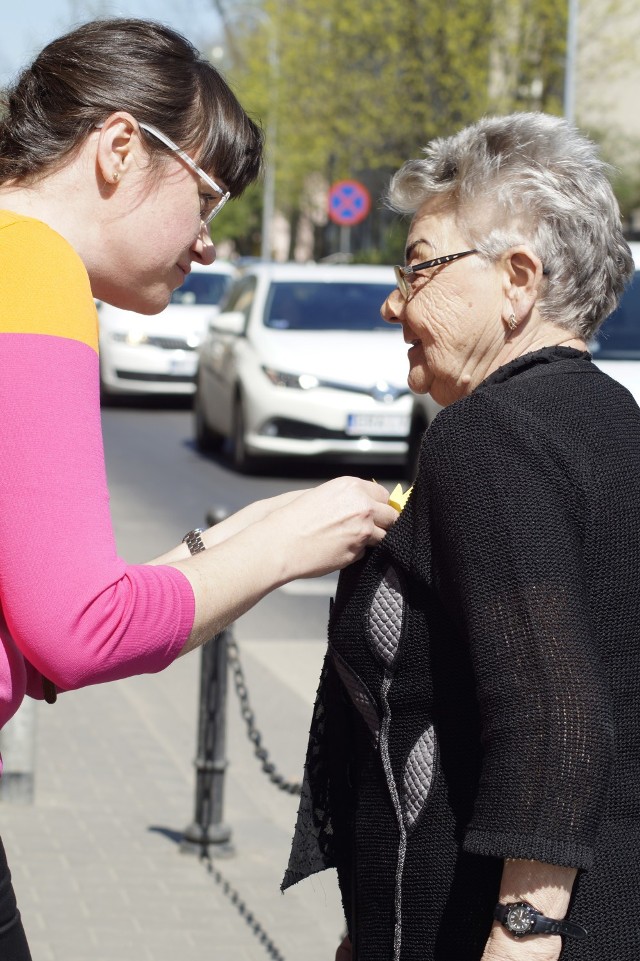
x=241 y=460
x=107 y=399
x=207 y=440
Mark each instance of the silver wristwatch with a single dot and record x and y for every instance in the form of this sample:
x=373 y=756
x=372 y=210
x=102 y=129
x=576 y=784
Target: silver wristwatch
x=193 y=540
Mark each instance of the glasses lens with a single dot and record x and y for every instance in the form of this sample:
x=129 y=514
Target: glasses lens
x=208 y=205
x=401 y=281
x=214 y=208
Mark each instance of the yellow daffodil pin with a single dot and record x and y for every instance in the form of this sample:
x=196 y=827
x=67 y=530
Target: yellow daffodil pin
x=398 y=498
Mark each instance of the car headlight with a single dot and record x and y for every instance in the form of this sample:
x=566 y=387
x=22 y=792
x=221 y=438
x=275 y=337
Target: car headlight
x=131 y=337
x=298 y=381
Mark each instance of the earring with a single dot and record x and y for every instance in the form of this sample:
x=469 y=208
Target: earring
x=512 y=323
x=116 y=176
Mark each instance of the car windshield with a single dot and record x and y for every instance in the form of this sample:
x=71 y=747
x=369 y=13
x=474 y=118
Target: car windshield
x=310 y=305
x=201 y=288
x=619 y=336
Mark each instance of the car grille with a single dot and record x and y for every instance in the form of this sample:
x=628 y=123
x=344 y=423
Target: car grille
x=299 y=430
x=155 y=378
x=169 y=343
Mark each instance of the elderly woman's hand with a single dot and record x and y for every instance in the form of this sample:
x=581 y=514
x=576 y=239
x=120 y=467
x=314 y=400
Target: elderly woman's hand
x=502 y=947
x=344 y=951
x=545 y=886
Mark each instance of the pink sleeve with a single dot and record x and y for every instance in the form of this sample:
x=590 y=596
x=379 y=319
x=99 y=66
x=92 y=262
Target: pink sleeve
x=78 y=613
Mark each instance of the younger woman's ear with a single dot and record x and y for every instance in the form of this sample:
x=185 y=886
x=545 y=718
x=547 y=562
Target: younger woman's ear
x=118 y=145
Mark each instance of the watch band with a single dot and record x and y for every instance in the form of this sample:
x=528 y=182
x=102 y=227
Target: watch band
x=193 y=540
x=520 y=919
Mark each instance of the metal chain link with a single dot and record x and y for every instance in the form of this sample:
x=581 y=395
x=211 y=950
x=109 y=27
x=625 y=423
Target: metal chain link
x=243 y=911
x=239 y=682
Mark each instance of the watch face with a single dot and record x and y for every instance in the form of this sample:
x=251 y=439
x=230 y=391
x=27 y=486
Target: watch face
x=519 y=919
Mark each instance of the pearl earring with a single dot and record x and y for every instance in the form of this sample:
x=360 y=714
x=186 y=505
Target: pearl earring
x=116 y=176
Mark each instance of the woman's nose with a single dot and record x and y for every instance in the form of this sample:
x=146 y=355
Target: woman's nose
x=204 y=247
x=392 y=307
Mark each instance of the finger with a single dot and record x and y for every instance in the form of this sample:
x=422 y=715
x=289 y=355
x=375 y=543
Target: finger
x=377 y=491
x=385 y=516
x=371 y=488
x=376 y=536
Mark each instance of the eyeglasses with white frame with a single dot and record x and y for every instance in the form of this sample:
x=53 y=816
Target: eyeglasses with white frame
x=210 y=206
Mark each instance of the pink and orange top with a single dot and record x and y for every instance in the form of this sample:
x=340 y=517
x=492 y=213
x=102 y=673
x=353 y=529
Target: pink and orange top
x=71 y=610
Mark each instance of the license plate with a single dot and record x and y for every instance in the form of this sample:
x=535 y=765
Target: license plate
x=377 y=425
x=182 y=365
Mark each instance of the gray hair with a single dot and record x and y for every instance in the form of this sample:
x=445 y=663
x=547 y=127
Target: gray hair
x=531 y=178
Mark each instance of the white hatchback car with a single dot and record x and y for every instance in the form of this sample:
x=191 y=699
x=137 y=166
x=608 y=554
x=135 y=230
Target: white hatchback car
x=615 y=349
x=156 y=354
x=300 y=362
x=616 y=346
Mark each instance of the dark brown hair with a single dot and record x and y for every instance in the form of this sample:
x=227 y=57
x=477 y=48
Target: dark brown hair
x=139 y=66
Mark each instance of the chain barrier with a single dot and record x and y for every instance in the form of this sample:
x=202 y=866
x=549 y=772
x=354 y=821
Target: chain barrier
x=242 y=910
x=240 y=684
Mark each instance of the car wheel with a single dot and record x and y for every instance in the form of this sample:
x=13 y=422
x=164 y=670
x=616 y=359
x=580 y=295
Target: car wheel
x=106 y=397
x=241 y=460
x=207 y=439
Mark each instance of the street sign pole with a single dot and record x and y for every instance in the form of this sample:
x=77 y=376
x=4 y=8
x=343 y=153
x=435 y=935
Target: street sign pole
x=345 y=239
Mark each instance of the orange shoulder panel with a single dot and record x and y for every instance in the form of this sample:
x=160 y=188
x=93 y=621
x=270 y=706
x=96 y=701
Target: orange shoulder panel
x=44 y=286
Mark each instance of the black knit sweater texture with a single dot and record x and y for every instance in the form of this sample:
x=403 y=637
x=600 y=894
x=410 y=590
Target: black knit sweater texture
x=516 y=676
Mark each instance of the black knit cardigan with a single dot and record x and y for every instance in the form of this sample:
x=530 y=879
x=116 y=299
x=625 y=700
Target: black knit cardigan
x=480 y=697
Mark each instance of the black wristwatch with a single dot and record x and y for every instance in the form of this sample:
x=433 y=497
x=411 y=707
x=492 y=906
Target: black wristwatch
x=521 y=919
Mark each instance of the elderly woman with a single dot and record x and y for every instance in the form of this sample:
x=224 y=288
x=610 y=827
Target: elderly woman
x=474 y=765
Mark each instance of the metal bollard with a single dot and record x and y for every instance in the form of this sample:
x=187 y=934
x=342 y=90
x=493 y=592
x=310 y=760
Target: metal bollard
x=207 y=829
x=18 y=748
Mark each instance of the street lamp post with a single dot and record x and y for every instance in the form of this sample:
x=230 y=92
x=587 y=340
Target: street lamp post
x=570 y=64
x=269 y=194
x=269 y=190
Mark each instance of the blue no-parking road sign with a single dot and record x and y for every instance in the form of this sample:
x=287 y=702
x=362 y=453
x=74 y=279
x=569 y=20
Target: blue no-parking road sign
x=349 y=203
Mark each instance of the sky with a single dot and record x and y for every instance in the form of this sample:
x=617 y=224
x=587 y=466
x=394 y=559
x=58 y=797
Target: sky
x=27 y=25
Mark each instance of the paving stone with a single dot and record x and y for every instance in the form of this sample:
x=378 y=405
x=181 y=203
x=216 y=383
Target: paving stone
x=95 y=863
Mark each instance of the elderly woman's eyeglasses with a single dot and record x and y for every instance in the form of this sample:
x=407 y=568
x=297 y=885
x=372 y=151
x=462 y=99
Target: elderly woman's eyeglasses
x=402 y=273
x=210 y=206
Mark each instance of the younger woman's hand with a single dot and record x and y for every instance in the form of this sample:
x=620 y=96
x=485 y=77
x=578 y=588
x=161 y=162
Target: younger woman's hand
x=330 y=526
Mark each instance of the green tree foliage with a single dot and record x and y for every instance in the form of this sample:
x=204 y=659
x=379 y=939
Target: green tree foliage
x=528 y=55
x=361 y=87
x=353 y=90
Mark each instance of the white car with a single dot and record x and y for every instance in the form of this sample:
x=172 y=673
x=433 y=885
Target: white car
x=616 y=346
x=301 y=363
x=615 y=350
x=157 y=354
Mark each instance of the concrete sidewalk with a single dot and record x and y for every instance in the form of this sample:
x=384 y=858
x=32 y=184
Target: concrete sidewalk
x=96 y=866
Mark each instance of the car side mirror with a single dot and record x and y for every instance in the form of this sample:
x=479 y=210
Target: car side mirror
x=232 y=322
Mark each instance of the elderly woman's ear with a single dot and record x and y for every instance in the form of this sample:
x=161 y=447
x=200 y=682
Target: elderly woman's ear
x=522 y=277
